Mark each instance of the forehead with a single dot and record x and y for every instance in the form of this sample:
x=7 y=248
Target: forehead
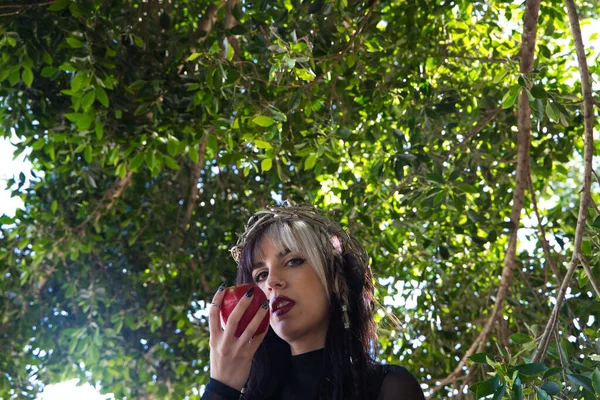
x=269 y=248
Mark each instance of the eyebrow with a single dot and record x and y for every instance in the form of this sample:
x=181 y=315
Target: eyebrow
x=281 y=254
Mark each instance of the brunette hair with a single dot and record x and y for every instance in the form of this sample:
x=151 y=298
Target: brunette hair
x=342 y=265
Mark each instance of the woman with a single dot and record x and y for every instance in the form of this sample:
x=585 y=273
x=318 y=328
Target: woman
x=322 y=335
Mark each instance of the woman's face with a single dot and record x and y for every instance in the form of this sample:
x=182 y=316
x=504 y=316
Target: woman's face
x=279 y=272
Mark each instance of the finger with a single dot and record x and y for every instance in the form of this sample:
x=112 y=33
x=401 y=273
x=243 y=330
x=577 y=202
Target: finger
x=238 y=312
x=214 y=317
x=250 y=331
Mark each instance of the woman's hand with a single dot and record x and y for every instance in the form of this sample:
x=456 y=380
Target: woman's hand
x=231 y=357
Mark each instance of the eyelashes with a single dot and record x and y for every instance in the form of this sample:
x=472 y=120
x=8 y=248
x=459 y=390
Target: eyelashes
x=292 y=262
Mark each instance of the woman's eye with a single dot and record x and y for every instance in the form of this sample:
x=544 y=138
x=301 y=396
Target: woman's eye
x=257 y=277
x=296 y=261
x=291 y=263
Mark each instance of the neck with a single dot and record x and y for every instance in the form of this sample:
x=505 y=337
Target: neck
x=305 y=346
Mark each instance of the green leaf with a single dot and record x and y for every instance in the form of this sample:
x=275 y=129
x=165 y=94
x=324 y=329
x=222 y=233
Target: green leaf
x=194 y=154
x=93 y=355
x=310 y=161
x=14 y=77
x=47 y=72
x=121 y=170
x=439 y=198
x=73 y=117
x=211 y=144
x=78 y=81
x=539 y=92
x=38 y=144
x=533 y=369
x=499 y=394
x=552 y=112
x=139 y=42
x=85 y=121
x=137 y=161
x=11 y=41
x=87 y=154
x=102 y=96
x=59 y=5
x=88 y=100
x=480 y=358
x=150 y=159
x=99 y=130
x=54 y=206
x=517 y=390
x=510 y=97
x=266 y=164
x=596 y=223
x=172 y=147
x=27 y=76
x=465 y=187
x=305 y=75
x=23 y=243
x=520 y=338
x=541 y=394
x=596 y=381
x=171 y=163
x=501 y=76
x=551 y=388
x=488 y=387
x=49 y=149
x=551 y=372
x=263 y=120
x=193 y=56
x=75 y=43
x=261 y=144
x=141 y=109
x=582 y=381
x=343 y=133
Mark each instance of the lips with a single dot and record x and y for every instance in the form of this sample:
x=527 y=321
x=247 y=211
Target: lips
x=282 y=305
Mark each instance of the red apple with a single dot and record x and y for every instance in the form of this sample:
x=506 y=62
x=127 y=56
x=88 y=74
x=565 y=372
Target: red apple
x=233 y=295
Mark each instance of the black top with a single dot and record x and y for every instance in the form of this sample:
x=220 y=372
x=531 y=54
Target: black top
x=390 y=382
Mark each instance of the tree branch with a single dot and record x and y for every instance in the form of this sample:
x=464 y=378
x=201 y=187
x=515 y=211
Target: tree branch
x=231 y=22
x=108 y=200
x=522 y=172
x=340 y=56
x=193 y=194
x=491 y=115
x=208 y=20
x=482 y=59
x=589 y=274
x=588 y=153
x=23 y=7
x=542 y=235
x=27 y=5
x=562 y=357
x=194 y=181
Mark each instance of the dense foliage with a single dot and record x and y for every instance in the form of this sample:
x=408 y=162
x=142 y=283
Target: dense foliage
x=156 y=127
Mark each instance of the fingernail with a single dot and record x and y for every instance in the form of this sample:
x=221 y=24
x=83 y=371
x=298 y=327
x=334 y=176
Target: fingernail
x=222 y=287
x=250 y=292
x=265 y=305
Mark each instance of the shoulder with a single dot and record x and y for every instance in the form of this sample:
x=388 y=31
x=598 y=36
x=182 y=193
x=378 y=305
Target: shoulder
x=394 y=382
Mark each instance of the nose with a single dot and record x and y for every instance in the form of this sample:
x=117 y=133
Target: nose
x=274 y=281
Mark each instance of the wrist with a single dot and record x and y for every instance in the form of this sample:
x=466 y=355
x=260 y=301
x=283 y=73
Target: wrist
x=216 y=386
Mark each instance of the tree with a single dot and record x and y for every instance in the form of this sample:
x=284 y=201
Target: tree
x=157 y=127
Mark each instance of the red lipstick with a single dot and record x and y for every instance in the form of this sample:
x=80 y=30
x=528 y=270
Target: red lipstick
x=282 y=305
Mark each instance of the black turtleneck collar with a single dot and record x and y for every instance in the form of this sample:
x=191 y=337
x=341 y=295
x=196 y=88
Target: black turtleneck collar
x=308 y=362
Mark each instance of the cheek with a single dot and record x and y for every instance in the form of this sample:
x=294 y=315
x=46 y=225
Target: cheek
x=262 y=287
